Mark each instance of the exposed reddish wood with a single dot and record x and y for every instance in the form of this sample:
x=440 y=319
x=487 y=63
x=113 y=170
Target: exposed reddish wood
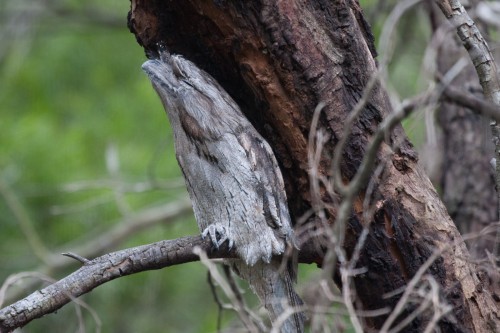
x=279 y=59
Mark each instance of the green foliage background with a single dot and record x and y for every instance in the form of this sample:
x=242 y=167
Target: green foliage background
x=71 y=87
x=72 y=90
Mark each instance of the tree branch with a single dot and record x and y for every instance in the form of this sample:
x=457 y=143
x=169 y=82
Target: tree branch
x=104 y=241
x=472 y=102
x=110 y=239
x=99 y=271
x=486 y=70
x=111 y=266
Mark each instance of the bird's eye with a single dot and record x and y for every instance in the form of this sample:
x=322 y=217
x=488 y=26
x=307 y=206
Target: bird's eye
x=162 y=52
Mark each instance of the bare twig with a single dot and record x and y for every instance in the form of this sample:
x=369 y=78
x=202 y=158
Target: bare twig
x=217 y=300
x=289 y=311
x=240 y=308
x=409 y=289
x=314 y=151
x=14 y=278
x=475 y=45
x=472 y=102
x=136 y=187
x=25 y=222
x=112 y=159
x=120 y=231
x=76 y=257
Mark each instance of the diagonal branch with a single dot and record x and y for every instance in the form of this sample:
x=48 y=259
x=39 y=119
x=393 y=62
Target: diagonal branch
x=112 y=266
x=101 y=270
x=472 y=102
x=130 y=225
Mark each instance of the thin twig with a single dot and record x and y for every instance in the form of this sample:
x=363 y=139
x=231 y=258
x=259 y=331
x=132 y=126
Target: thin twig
x=123 y=229
x=410 y=287
x=25 y=223
x=218 y=301
x=76 y=257
x=472 y=102
x=241 y=309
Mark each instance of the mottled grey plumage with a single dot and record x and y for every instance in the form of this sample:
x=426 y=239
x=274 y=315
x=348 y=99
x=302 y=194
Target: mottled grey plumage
x=232 y=177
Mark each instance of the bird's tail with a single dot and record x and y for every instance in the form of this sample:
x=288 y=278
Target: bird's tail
x=273 y=284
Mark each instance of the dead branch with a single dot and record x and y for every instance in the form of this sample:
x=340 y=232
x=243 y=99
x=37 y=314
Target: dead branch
x=472 y=102
x=122 y=230
x=95 y=245
x=99 y=271
x=112 y=266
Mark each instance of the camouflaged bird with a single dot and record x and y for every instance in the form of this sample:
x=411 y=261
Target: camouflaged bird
x=232 y=177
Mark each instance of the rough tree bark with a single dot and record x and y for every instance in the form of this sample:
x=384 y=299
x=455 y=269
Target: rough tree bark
x=278 y=60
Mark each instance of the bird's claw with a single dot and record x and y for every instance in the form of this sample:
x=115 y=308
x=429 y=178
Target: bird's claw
x=218 y=235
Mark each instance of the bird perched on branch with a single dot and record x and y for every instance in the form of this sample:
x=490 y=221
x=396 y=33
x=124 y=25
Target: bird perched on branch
x=233 y=180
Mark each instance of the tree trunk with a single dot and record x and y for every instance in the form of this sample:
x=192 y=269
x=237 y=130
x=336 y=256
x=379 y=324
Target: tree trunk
x=278 y=60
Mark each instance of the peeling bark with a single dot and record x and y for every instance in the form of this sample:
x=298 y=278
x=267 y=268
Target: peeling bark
x=278 y=60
